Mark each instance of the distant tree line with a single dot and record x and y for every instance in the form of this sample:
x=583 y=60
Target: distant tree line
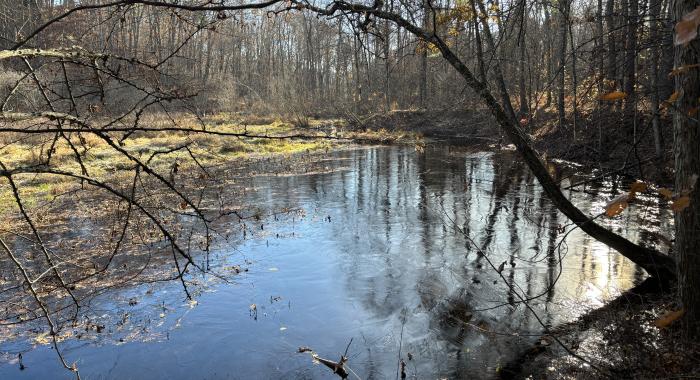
x=551 y=53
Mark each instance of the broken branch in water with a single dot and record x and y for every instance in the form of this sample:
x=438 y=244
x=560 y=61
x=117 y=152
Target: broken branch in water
x=337 y=367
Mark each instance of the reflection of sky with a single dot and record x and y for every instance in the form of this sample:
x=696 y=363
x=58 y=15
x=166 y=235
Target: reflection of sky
x=389 y=270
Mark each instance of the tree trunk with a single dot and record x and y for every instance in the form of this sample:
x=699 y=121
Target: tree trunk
x=686 y=135
x=599 y=46
x=387 y=66
x=505 y=97
x=548 y=55
x=563 y=29
x=611 y=73
x=524 y=109
x=630 y=74
x=600 y=77
x=423 y=73
x=666 y=84
x=655 y=13
x=655 y=263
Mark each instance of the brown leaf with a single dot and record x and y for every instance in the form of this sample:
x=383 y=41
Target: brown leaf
x=613 y=96
x=680 y=204
x=687 y=28
x=617 y=205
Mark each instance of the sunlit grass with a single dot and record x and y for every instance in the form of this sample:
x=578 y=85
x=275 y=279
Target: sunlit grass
x=105 y=163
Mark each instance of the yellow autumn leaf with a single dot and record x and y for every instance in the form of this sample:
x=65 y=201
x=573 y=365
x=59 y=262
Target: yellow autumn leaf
x=680 y=204
x=613 y=96
x=617 y=205
x=668 y=318
x=666 y=193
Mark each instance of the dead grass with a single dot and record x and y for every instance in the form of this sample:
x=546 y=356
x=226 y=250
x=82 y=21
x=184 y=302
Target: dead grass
x=105 y=163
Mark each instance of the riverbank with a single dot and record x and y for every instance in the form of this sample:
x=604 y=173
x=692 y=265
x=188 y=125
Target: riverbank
x=211 y=142
x=598 y=141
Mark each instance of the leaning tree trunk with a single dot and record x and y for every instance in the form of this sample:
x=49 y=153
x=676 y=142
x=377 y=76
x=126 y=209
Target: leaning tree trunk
x=686 y=136
x=655 y=263
x=522 y=72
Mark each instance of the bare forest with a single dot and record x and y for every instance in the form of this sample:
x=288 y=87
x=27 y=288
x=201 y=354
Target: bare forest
x=354 y=189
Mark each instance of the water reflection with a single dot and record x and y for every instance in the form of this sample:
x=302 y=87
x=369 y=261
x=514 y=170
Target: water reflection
x=381 y=256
